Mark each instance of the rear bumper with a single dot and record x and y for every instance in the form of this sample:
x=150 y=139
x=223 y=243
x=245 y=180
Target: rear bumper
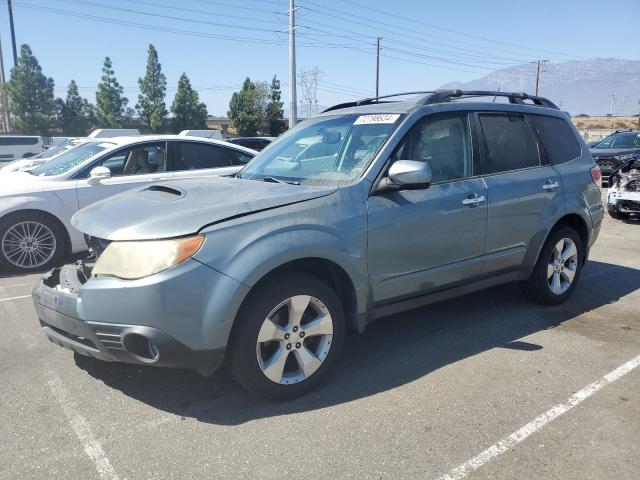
x=62 y=313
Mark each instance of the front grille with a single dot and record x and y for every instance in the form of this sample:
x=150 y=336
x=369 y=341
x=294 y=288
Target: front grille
x=110 y=336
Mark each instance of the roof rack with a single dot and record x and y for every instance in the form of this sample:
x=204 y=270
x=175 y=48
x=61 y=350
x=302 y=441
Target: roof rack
x=370 y=100
x=441 y=96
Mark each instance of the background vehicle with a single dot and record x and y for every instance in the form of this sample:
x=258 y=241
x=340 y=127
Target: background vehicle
x=13 y=147
x=256 y=143
x=36 y=206
x=623 y=195
x=215 y=134
x=114 y=132
x=615 y=150
x=371 y=208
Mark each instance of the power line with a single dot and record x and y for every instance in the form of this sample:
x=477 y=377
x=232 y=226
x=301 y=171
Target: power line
x=169 y=17
x=465 y=34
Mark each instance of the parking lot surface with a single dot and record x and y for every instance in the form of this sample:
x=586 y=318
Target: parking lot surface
x=431 y=393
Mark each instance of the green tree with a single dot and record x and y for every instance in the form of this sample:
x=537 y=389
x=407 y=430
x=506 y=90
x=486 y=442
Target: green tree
x=248 y=106
x=30 y=95
x=188 y=112
x=111 y=105
x=75 y=114
x=151 y=106
x=274 y=121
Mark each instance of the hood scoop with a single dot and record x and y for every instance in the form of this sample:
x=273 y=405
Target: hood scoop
x=161 y=193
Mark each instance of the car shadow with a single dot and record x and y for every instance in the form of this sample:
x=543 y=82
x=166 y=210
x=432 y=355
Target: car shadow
x=391 y=352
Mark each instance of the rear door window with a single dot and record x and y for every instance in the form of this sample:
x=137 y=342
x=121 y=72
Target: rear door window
x=509 y=143
x=196 y=156
x=557 y=137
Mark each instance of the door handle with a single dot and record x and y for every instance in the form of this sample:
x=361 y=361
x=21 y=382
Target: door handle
x=550 y=185
x=474 y=199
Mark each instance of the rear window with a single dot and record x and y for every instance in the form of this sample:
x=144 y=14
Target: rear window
x=557 y=137
x=13 y=141
x=509 y=143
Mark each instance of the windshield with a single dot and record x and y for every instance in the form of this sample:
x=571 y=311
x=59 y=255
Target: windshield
x=324 y=151
x=70 y=159
x=52 y=152
x=621 y=140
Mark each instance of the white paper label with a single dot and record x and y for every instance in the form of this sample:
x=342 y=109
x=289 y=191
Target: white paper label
x=378 y=118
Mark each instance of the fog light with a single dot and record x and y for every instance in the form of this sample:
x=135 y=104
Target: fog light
x=141 y=346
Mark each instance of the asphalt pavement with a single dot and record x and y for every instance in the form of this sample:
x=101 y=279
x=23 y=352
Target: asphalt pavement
x=484 y=386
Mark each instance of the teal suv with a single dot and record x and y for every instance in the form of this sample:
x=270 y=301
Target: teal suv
x=370 y=208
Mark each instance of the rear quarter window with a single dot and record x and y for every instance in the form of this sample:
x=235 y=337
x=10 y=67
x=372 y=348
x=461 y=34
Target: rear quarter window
x=557 y=137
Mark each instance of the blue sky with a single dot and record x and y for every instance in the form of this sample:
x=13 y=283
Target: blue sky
x=425 y=43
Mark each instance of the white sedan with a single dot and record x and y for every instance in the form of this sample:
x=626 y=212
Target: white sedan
x=36 y=206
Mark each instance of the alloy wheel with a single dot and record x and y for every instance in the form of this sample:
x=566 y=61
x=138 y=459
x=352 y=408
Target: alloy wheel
x=562 y=266
x=29 y=244
x=294 y=339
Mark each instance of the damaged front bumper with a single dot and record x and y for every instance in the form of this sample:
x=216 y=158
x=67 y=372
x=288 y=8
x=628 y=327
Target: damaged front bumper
x=73 y=318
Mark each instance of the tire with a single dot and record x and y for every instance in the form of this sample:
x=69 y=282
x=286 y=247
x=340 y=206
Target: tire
x=615 y=213
x=18 y=254
x=251 y=360
x=553 y=289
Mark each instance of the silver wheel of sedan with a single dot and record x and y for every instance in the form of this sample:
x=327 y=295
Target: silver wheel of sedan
x=562 y=266
x=294 y=339
x=29 y=244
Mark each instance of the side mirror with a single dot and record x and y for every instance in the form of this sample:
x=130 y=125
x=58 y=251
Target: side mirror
x=98 y=174
x=409 y=173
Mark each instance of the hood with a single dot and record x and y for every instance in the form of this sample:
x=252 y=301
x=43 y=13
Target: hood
x=176 y=208
x=610 y=152
x=23 y=182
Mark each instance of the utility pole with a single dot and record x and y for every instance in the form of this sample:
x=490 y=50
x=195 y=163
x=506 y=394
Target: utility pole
x=13 y=35
x=378 y=67
x=293 y=101
x=4 y=104
x=538 y=63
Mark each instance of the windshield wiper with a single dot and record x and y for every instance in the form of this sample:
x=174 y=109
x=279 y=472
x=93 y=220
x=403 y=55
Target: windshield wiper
x=279 y=180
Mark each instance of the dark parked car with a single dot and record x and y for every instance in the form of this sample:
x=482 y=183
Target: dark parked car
x=255 y=143
x=615 y=150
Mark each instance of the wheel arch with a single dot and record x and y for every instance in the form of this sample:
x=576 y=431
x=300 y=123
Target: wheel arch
x=329 y=272
x=573 y=220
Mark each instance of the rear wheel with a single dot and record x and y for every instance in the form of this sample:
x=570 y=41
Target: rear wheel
x=614 y=212
x=558 y=268
x=30 y=242
x=290 y=334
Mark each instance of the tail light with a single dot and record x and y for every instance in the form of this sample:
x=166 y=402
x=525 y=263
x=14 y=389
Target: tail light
x=596 y=175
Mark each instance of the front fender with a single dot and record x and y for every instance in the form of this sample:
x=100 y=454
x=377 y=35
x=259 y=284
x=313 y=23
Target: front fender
x=247 y=249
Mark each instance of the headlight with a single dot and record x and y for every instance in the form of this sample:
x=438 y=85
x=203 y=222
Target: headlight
x=131 y=260
x=627 y=156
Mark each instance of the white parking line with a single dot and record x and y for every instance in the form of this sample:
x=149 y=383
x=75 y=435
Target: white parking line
x=81 y=428
x=532 y=427
x=14 y=298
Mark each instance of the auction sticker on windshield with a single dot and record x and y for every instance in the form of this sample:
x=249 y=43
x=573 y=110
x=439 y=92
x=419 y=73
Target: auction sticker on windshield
x=380 y=118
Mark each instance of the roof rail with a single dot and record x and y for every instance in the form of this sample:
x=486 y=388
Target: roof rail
x=441 y=96
x=370 y=100
x=448 y=95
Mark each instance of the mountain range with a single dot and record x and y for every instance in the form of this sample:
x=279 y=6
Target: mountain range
x=578 y=86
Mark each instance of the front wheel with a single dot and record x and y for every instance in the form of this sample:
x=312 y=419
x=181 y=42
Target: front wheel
x=30 y=242
x=289 y=333
x=557 y=271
